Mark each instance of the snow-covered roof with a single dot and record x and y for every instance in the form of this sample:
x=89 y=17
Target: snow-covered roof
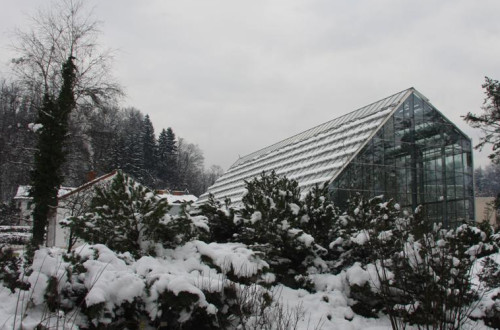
x=314 y=156
x=85 y=186
x=178 y=199
x=23 y=192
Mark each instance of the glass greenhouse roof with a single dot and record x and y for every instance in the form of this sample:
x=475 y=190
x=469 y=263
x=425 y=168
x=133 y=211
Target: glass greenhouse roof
x=314 y=156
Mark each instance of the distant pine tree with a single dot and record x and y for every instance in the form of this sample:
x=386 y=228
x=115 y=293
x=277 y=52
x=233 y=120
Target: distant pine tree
x=172 y=152
x=134 y=157
x=117 y=153
x=50 y=155
x=149 y=149
x=167 y=168
x=161 y=165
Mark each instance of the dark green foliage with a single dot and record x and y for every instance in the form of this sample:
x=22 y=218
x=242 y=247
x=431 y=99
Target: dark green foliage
x=436 y=270
x=490 y=275
x=50 y=155
x=171 y=150
x=167 y=159
x=133 y=156
x=184 y=227
x=292 y=233
x=9 y=214
x=273 y=222
x=173 y=307
x=367 y=303
x=126 y=316
x=126 y=154
x=415 y=265
x=368 y=230
x=73 y=295
x=122 y=215
x=221 y=219
x=11 y=270
x=489 y=120
x=163 y=154
x=320 y=218
x=183 y=309
x=51 y=295
x=149 y=150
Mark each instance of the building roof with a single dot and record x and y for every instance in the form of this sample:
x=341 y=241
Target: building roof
x=85 y=186
x=23 y=192
x=178 y=199
x=314 y=156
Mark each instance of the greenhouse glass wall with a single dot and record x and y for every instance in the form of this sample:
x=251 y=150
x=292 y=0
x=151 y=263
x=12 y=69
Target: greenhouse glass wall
x=400 y=147
x=417 y=158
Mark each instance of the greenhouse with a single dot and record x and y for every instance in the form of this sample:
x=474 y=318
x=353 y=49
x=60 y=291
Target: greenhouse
x=401 y=147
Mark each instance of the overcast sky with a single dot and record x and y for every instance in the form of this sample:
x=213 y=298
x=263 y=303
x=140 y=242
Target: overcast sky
x=235 y=76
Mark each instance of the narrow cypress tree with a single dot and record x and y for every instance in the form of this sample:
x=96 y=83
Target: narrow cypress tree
x=50 y=155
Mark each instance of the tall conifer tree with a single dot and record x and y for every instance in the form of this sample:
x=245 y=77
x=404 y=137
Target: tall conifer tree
x=149 y=149
x=172 y=152
x=161 y=165
x=167 y=159
x=50 y=155
x=171 y=163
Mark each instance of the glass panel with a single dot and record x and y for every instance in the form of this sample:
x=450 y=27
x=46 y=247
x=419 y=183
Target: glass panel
x=417 y=157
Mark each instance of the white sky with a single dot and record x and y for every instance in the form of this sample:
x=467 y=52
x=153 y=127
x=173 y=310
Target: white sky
x=235 y=76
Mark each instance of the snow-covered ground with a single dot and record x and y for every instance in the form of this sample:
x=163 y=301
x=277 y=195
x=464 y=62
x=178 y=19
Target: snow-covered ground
x=112 y=279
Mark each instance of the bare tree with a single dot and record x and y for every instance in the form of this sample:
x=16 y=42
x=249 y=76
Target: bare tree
x=65 y=28
x=16 y=140
x=211 y=175
x=190 y=164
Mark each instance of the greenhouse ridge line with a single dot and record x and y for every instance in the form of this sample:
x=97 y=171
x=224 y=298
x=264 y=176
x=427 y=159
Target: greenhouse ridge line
x=303 y=135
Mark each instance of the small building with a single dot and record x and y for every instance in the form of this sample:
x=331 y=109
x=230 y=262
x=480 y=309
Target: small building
x=76 y=201
x=72 y=203
x=487 y=211
x=401 y=147
x=176 y=198
x=24 y=203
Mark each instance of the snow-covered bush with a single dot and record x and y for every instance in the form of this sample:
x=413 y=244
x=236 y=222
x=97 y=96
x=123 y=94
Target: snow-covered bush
x=122 y=215
x=187 y=287
x=128 y=217
x=186 y=226
x=370 y=232
x=274 y=221
x=489 y=306
x=406 y=266
x=11 y=269
x=436 y=269
x=221 y=219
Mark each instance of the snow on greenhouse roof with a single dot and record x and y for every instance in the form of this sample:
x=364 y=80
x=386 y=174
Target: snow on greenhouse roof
x=312 y=157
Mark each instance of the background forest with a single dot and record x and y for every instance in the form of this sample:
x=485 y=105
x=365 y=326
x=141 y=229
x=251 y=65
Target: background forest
x=103 y=135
